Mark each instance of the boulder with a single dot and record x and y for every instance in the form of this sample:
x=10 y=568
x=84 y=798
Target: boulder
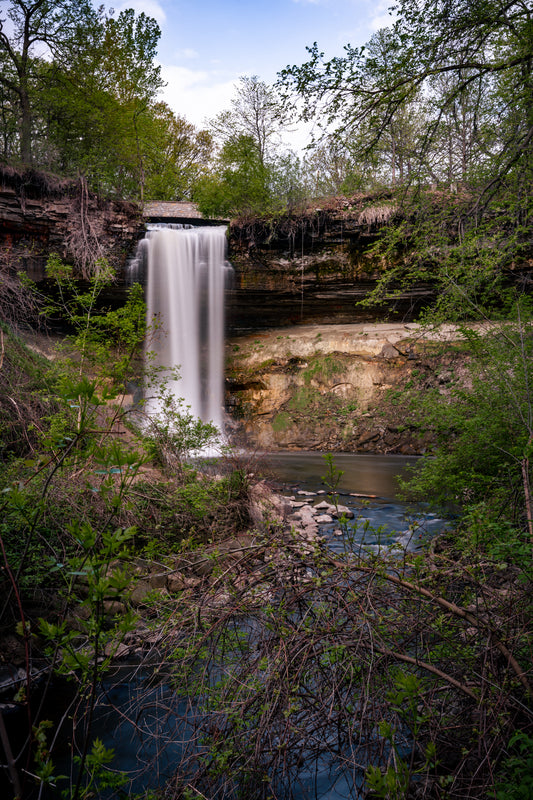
x=343 y=511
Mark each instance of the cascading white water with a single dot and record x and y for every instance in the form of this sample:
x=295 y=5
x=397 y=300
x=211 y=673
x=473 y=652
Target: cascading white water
x=186 y=275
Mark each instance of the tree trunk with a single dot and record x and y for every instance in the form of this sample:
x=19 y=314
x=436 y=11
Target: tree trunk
x=25 y=127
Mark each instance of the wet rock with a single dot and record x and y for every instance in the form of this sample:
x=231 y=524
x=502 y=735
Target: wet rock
x=343 y=511
x=304 y=514
x=324 y=506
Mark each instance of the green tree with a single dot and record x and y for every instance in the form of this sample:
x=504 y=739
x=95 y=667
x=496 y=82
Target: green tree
x=175 y=154
x=484 y=43
x=9 y=122
x=256 y=113
x=484 y=429
x=80 y=106
x=288 y=181
x=463 y=130
x=124 y=62
x=25 y=27
x=328 y=166
x=239 y=185
x=99 y=103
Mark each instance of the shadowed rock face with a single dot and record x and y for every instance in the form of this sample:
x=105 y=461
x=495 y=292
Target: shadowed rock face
x=40 y=214
x=312 y=268
x=309 y=270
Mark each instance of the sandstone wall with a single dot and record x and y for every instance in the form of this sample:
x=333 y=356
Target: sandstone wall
x=335 y=387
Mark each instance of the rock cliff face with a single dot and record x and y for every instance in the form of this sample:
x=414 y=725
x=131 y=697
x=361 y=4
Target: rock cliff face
x=307 y=268
x=312 y=267
x=41 y=214
x=335 y=387
x=325 y=384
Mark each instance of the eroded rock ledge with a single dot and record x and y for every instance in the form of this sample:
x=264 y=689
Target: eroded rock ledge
x=314 y=266
x=41 y=213
x=336 y=387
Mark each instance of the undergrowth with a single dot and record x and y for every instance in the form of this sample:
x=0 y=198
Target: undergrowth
x=288 y=669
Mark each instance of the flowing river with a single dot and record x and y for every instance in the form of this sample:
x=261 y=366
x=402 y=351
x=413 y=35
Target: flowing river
x=368 y=485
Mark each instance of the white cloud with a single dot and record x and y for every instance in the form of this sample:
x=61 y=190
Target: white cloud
x=152 y=8
x=381 y=16
x=197 y=95
x=187 y=53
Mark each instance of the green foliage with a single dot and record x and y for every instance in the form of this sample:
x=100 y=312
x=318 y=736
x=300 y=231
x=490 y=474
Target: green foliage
x=98 y=777
x=24 y=389
x=91 y=108
x=251 y=174
x=175 y=433
x=473 y=100
x=241 y=184
x=97 y=332
x=392 y=784
x=333 y=475
x=209 y=510
x=322 y=368
x=466 y=261
x=483 y=429
x=38 y=551
x=73 y=515
x=56 y=25
x=515 y=779
x=175 y=155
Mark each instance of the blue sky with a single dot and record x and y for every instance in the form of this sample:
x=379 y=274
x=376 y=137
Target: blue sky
x=207 y=44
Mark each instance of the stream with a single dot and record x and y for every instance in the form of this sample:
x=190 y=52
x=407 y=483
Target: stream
x=368 y=486
x=146 y=722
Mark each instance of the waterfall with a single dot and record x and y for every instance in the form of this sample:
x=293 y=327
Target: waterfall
x=186 y=273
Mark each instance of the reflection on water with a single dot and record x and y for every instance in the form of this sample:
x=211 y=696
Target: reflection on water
x=364 y=474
